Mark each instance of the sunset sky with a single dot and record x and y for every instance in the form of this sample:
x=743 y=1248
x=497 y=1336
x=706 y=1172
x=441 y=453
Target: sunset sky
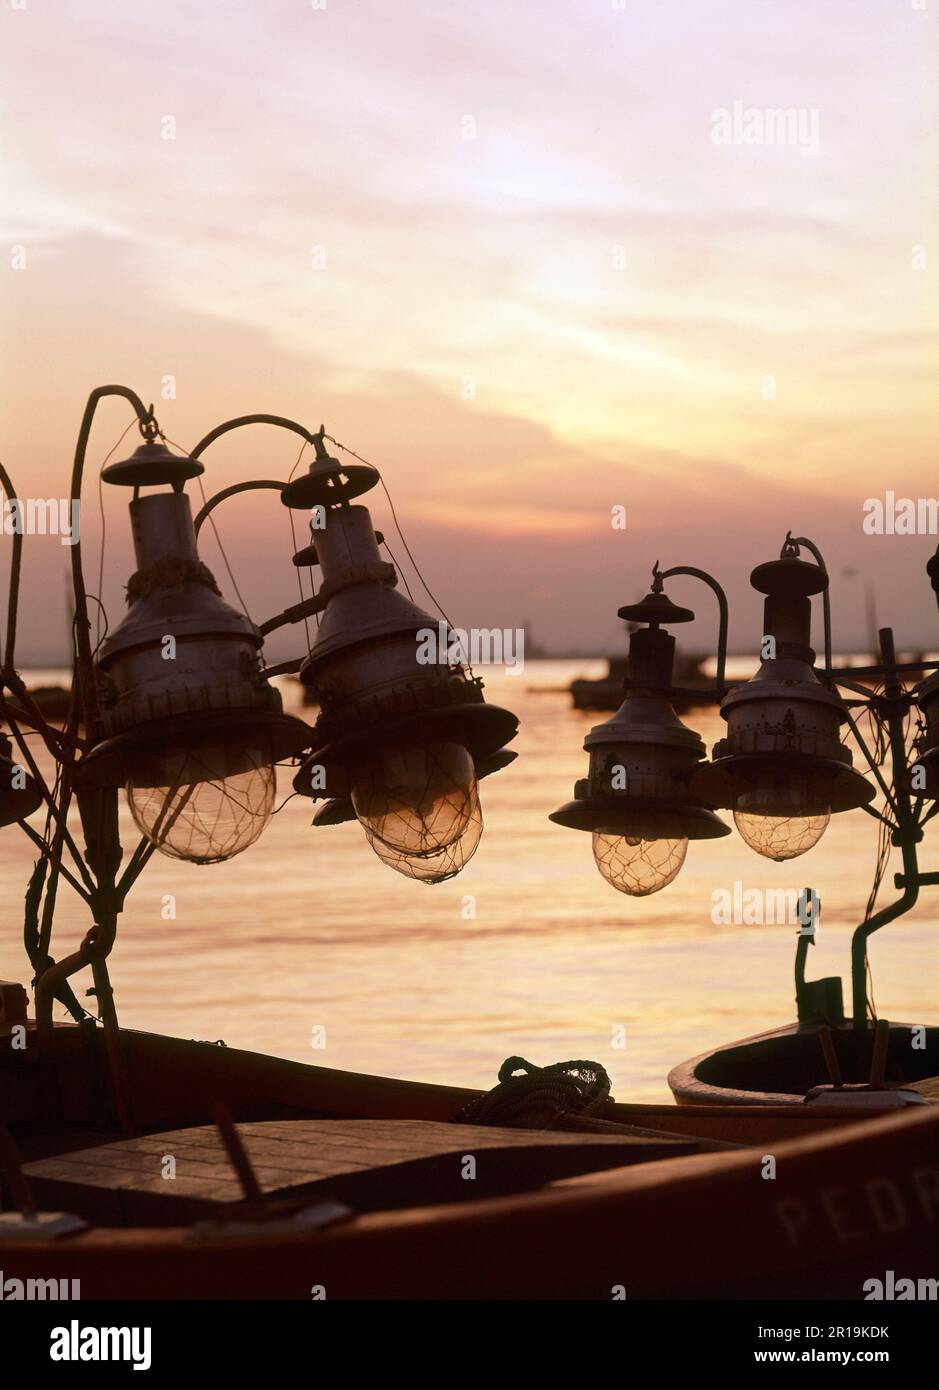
x=495 y=249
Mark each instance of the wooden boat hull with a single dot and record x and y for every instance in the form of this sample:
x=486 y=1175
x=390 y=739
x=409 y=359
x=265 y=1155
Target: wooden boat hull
x=735 y=1074
x=849 y=1199
x=60 y=1100
x=845 y=1206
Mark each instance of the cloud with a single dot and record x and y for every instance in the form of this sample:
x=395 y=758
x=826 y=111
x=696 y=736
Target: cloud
x=581 y=305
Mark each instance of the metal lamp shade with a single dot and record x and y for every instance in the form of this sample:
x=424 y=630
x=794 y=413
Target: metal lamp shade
x=242 y=739
x=329 y=481
x=338 y=810
x=784 y=725
x=647 y=818
x=209 y=689
x=647 y=748
x=783 y=729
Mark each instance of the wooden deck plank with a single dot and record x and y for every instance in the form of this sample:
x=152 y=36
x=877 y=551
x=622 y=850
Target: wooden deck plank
x=368 y=1161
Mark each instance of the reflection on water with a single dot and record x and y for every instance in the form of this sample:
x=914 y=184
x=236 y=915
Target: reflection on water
x=528 y=951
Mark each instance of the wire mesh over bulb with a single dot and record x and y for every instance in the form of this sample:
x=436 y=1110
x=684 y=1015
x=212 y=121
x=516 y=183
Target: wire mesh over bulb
x=780 y=823
x=438 y=865
x=417 y=800
x=203 y=811
x=637 y=866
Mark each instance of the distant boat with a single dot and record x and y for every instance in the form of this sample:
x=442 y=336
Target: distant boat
x=693 y=687
x=53 y=700
x=534 y=651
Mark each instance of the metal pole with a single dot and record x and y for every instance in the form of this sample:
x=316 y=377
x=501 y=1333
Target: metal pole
x=907 y=833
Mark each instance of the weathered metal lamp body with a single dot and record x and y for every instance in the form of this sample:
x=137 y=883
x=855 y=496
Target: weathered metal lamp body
x=365 y=666
x=402 y=736
x=642 y=759
x=782 y=755
x=365 y=669
x=637 y=788
x=183 y=667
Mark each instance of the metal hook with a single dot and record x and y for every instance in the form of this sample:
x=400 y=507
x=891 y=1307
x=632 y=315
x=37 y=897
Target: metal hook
x=149 y=427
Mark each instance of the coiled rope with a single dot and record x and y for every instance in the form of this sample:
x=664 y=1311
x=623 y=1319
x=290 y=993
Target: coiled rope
x=530 y=1097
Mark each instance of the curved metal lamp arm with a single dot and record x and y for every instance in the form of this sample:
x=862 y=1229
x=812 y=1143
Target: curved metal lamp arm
x=81 y=625
x=280 y=420
x=716 y=589
x=295 y=614
x=813 y=549
x=235 y=488
x=285 y=668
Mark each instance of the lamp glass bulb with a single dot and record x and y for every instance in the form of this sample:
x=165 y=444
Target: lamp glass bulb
x=637 y=866
x=438 y=865
x=417 y=800
x=781 y=822
x=201 y=809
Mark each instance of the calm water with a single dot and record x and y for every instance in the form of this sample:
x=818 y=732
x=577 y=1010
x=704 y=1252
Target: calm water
x=308 y=929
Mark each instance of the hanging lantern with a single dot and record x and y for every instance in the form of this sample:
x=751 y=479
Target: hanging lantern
x=782 y=767
x=400 y=735
x=636 y=799
x=192 y=729
x=19 y=794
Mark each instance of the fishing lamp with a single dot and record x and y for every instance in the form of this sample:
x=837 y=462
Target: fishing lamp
x=782 y=767
x=636 y=799
x=402 y=736
x=191 y=728
x=19 y=793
